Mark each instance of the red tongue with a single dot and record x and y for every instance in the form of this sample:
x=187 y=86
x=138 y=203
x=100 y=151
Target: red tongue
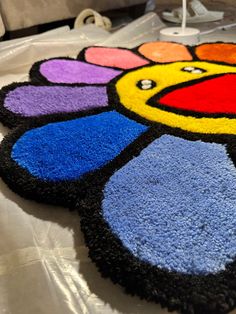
x=216 y=95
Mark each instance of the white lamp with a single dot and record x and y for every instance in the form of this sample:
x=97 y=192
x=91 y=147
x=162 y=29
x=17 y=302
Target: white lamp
x=183 y=34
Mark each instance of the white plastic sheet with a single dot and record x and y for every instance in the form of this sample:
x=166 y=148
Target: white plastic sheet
x=44 y=264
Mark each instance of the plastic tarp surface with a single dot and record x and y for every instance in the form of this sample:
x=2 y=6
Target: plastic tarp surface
x=44 y=264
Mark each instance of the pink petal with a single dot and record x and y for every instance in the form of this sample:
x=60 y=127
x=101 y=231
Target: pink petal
x=114 y=57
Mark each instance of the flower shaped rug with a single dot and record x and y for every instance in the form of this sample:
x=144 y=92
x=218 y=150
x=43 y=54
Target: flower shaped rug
x=142 y=143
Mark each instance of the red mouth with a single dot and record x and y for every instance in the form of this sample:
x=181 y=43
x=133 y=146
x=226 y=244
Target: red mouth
x=213 y=96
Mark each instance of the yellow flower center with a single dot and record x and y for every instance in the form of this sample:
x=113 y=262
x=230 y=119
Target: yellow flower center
x=136 y=88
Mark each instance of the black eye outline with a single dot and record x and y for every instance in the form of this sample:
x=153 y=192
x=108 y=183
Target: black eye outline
x=145 y=86
x=191 y=69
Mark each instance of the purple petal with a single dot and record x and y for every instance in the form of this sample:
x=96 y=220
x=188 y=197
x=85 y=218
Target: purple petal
x=31 y=100
x=73 y=71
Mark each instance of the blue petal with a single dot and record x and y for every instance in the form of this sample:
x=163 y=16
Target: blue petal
x=67 y=150
x=174 y=206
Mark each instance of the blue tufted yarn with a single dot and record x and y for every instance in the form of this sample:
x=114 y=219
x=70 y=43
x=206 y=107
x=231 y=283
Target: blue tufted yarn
x=174 y=205
x=67 y=150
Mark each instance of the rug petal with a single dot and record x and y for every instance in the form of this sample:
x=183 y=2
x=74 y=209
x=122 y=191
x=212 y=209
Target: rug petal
x=68 y=150
x=174 y=206
x=114 y=57
x=31 y=100
x=74 y=71
x=220 y=52
x=165 y=52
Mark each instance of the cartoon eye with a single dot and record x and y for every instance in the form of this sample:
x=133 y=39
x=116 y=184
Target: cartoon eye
x=193 y=70
x=146 y=84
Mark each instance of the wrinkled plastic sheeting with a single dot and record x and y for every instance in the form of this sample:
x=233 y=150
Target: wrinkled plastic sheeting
x=44 y=264
x=19 y=54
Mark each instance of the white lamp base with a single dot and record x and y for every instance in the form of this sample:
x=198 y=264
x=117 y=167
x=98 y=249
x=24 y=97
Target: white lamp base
x=190 y=36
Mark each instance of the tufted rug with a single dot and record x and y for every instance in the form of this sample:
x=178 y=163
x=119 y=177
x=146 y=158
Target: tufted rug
x=142 y=143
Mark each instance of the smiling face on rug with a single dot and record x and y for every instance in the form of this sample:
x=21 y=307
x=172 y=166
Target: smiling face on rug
x=142 y=143
x=159 y=93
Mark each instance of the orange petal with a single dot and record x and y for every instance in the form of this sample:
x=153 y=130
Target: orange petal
x=165 y=52
x=221 y=52
x=114 y=57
